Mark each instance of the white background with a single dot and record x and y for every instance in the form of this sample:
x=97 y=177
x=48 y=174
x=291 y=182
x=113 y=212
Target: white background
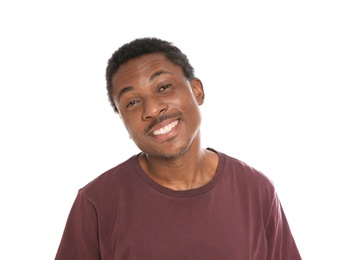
x=273 y=73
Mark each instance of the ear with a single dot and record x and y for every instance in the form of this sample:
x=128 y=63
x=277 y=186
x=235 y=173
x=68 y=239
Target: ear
x=198 y=90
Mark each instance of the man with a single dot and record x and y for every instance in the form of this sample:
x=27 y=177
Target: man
x=174 y=200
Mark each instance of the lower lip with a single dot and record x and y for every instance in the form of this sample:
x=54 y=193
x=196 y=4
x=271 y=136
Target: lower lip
x=167 y=135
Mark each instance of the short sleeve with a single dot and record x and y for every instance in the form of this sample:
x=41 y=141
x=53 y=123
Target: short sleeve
x=280 y=242
x=80 y=236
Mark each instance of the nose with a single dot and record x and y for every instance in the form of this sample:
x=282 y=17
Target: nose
x=153 y=107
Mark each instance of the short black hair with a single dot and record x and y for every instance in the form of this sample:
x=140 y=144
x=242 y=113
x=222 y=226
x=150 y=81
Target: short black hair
x=142 y=46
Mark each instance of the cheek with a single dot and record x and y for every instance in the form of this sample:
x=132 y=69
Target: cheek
x=191 y=102
x=129 y=128
x=127 y=124
x=133 y=127
x=185 y=99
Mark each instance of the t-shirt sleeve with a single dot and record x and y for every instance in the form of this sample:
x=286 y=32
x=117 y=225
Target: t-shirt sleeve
x=80 y=237
x=280 y=242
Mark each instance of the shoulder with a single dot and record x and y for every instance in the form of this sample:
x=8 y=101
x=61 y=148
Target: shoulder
x=243 y=175
x=111 y=181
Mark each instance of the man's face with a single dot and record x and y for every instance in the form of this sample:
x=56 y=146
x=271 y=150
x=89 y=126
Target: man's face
x=158 y=105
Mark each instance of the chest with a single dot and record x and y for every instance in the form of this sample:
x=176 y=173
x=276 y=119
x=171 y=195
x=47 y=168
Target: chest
x=210 y=226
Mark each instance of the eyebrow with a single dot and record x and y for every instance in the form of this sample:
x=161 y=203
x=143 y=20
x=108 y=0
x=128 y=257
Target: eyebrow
x=125 y=90
x=158 y=73
x=131 y=88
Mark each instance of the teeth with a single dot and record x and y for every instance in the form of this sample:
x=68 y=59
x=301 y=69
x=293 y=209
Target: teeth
x=166 y=129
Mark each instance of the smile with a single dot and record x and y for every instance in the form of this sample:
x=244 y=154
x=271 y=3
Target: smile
x=166 y=129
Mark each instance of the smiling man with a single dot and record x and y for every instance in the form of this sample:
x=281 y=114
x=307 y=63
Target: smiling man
x=175 y=199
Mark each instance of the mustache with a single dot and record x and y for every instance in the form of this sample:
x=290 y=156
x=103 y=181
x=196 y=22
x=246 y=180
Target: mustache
x=160 y=119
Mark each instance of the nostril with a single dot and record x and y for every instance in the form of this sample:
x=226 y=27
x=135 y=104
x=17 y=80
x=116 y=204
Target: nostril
x=152 y=109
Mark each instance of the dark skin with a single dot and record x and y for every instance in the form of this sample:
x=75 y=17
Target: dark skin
x=159 y=107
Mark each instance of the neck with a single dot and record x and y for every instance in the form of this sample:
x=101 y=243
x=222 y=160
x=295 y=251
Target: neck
x=188 y=171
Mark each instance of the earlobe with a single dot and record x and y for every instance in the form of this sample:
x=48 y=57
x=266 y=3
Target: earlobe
x=198 y=90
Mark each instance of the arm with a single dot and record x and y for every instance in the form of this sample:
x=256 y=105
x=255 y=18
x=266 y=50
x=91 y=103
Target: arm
x=80 y=237
x=280 y=242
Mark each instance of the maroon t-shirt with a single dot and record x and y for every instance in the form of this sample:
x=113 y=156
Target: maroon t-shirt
x=124 y=214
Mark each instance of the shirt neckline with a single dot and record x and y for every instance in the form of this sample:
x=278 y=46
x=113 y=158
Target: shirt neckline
x=181 y=193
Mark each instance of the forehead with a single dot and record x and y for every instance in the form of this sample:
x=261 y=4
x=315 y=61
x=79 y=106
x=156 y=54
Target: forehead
x=142 y=68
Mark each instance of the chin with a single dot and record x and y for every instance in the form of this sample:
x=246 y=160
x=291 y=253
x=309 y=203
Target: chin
x=170 y=153
x=170 y=149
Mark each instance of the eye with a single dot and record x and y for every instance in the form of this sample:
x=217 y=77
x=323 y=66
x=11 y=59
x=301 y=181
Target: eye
x=164 y=87
x=132 y=103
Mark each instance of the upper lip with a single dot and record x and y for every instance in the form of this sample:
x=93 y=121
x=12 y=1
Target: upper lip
x=165 y=129
x=161 y=122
